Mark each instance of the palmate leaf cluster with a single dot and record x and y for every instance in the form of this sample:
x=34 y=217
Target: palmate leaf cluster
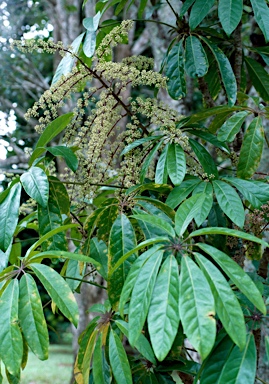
x=153 y=211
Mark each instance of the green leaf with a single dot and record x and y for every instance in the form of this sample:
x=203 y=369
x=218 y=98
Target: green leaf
x=142 y=245
x=175 y=71
x=227 y=305
x=106 y=220
x=100 y=367
x=122 y=240
x=251 y=150
x=267 y=346
x=228 y=232
x=9 y=214
x=66 y=64
x=205 y=204
x=35 y=182
x=214 y=365
x=237 y=275
x=161 y=167
x=205 y=158
x=157 y=221
x=229 y=202
x=259 y=77
x=199 y=11
x=178 y=194
x=11 y=344
x=141 y=295
x=163 y=316
x=215 y=111
x=58 y=290
x=139 y=142
x=31 y=316
x=60 y=195
x=85 y=352
x=227 y=75
x=91 y=23
x=196 y=63
x=187 y=211
x=75 y=270
x=232 y=126
x=132 y=276
x=196 y=306
x=240 y=366
x=185 y=6
x=118 y=360
x=67 y=154
x=256 y=192
x=230 y=13
x=148 y=160
x=62 y=228
x=176 y=163
x=51 y=131
x=98 y=251
x=142 y=344
x=167 y=212
x=261 y=14
x=50 y=218
x=208 y=137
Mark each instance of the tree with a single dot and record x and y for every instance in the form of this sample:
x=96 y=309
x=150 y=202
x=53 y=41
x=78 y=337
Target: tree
x=165 y=210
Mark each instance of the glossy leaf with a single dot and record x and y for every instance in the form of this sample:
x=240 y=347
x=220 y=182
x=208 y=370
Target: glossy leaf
x=236 y=274
x=118 y=360
x=11 y=344
x=105 y=221
x=259 y=77
x=228 y=232
x=163 y=316
x=261 y=13
x=227 y=305
x=196 y=63
x=251 y=150
x=100 y=367
x=186 y=212
x=31 y=316
x=35 y=182
x=30 y=251
x=148 y=160
x=58 y=290
x=175 y=72
x=158 y=222
x=139 y=142
x=230 y=13
x=51 y=131
x=161 y=167
x=207 y=136
x=229 y=202
x=66 y=64
x=199 y=11
x=232 y=126
x=256 y=192
x=74 y=269
x=98 y=251
x=50 y=218
x=167 y=212
x=214 y=365
x=185 y=6
x=141 y=295
x=178 y=194
x=60 y=195
x=142 y=344
x=196 y=307
x=176 y=163
x=226 y=72
x=67 y=154
x=240 y=366
x=122 y=240
x=204 y=158
x=9 y=214
x=89 y=43
x=205 y=205
x=132 y=276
